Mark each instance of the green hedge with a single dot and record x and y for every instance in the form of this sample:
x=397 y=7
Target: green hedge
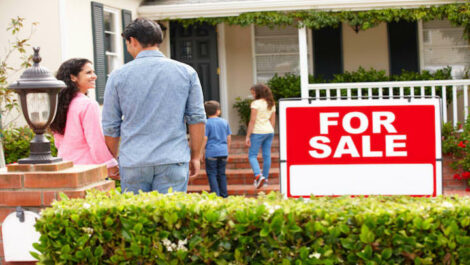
x=288 y=86
x=16 y=143
x=205 y=229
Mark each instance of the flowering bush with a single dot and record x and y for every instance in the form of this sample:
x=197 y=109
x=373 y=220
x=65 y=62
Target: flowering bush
x=455 y=142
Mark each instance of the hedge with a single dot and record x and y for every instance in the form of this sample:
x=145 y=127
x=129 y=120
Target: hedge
x=178 y=228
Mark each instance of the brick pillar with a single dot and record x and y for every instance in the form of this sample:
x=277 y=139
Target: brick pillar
x=36 y=186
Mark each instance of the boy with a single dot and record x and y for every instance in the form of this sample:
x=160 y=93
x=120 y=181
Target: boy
x=216 y=143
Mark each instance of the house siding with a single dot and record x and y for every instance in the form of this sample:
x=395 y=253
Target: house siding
x=239 y=68
x=367 y=48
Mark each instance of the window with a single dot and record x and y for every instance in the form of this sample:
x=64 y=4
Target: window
x=109 y=51
x=112 y=40
x=444 y=45
x=276 y=51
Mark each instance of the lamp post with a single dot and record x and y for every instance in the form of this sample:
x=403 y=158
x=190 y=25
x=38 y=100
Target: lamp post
x=38 y=91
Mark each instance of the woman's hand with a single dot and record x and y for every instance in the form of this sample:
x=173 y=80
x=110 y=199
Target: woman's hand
x=247 y=141
x=113 y=172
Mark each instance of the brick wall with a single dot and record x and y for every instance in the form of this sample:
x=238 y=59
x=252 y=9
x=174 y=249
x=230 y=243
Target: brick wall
x=35 y=187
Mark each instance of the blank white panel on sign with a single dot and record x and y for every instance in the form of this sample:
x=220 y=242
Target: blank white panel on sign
x=360 y=179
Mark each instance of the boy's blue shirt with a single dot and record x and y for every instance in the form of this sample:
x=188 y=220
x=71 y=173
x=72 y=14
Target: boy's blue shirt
x=217 y=130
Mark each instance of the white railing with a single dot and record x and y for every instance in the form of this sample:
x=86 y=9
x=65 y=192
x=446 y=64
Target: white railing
x=454 y=93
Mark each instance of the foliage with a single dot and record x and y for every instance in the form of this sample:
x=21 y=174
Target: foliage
x=455 y=142
x=243 y=108
x=458 y=14
x=8 y=99
x=178 y=228
x=288 y=86
x=16 y=143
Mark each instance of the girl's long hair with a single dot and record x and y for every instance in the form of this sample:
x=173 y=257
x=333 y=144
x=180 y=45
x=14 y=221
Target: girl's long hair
x=262 y=91
x=70 y=67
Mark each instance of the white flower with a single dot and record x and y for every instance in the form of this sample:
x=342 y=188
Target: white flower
x=86 y=205
x=315 y=255
x=447 y=204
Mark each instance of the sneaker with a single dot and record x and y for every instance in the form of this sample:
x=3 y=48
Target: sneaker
x=259 y=180
x=265 y=184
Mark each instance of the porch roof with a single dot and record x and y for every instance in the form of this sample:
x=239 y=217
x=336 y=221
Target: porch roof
x=175 y=9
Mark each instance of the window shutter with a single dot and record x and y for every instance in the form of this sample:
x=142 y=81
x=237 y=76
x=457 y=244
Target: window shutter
x=100 y=63
x=328 y=52
x=126 y=20
x=403 y=46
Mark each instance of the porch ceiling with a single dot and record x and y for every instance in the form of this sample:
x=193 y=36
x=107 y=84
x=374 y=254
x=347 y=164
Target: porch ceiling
x=173 y=9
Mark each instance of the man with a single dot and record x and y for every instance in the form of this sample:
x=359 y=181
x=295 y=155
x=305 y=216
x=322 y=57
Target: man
x=147 y=104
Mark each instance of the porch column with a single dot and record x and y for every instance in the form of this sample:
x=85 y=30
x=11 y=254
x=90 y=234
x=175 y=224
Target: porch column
x=303 y=62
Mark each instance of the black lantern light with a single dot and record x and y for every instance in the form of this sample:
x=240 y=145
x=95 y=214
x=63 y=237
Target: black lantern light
x=38 y=91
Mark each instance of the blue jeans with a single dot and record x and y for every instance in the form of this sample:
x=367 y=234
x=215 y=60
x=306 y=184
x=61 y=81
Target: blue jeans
x=215 y=169
x=264 y=142
x=159 y=178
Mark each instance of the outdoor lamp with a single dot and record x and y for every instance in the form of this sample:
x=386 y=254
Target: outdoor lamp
x=38 y=91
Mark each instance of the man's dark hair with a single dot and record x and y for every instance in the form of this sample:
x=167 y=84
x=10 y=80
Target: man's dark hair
x=145 y=30
x=211 y=107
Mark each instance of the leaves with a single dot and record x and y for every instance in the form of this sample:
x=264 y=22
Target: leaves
x=114 y=228
x=17 y=47
x=456 y=13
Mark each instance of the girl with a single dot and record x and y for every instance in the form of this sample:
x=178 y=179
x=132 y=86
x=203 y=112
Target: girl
x=260 y=131
x=77 y=126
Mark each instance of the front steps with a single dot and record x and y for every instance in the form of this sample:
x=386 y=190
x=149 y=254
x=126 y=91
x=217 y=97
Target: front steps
x=240 y=176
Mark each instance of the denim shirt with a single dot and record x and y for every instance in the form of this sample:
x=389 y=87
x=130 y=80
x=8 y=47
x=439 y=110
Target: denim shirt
x=147 y=102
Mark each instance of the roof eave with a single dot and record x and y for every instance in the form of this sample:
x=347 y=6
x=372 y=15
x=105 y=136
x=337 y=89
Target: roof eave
x=235 y=8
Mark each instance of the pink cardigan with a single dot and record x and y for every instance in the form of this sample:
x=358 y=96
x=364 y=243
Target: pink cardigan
x=83 y=140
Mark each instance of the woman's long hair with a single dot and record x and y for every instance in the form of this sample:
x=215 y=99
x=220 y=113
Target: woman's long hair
x=70 y=67
x=264 y=92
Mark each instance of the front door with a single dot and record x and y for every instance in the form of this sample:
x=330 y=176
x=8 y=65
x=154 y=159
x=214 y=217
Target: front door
x=197 y=46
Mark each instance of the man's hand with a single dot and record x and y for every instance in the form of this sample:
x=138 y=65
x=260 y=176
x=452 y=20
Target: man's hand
x=194 y=167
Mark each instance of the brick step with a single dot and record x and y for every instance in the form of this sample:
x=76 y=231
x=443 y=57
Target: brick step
x=245 y=190
x=240 y=161
x=238 y=145
x=237 y=177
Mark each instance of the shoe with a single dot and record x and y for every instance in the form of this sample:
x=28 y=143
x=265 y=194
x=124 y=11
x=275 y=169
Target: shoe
x=265 y=184
x=259 y=180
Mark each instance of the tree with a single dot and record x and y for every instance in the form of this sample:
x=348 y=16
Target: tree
x=15 y=48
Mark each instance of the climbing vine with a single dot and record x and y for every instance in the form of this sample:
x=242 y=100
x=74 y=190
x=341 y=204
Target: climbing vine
x=458 y=14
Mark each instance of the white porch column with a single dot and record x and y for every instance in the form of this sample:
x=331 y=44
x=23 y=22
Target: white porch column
x=222 y=70
x=303 y=62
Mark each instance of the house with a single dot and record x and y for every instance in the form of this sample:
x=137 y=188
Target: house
x=231 y=56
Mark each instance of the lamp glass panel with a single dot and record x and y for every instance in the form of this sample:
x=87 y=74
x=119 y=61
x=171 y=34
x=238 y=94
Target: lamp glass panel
x=38 y=108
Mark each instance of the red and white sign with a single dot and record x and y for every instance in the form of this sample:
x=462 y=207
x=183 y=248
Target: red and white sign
x=360 y=147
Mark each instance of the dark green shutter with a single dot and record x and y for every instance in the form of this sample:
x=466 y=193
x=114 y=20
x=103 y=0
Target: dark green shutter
x=100 y=61
x=328 y=52
x=403 y=47
x=126 y=20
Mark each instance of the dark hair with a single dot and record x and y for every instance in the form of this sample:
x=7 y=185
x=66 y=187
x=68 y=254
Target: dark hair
x=146 y=31
x=211 y=107
x=70 y=67
x=264 y=92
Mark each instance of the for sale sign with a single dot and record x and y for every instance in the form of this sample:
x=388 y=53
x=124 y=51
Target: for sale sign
x=360 y=147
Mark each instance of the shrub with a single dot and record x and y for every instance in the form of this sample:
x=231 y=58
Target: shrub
x=455 y=142
x=288 y=86
x=244 y=111
x=16 y=143
x=179 y=228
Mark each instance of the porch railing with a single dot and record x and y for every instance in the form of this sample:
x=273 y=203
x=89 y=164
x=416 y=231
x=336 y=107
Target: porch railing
x=454 y=93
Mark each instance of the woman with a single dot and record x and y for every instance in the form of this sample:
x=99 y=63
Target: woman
x=77 y=126
x=260 y=131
